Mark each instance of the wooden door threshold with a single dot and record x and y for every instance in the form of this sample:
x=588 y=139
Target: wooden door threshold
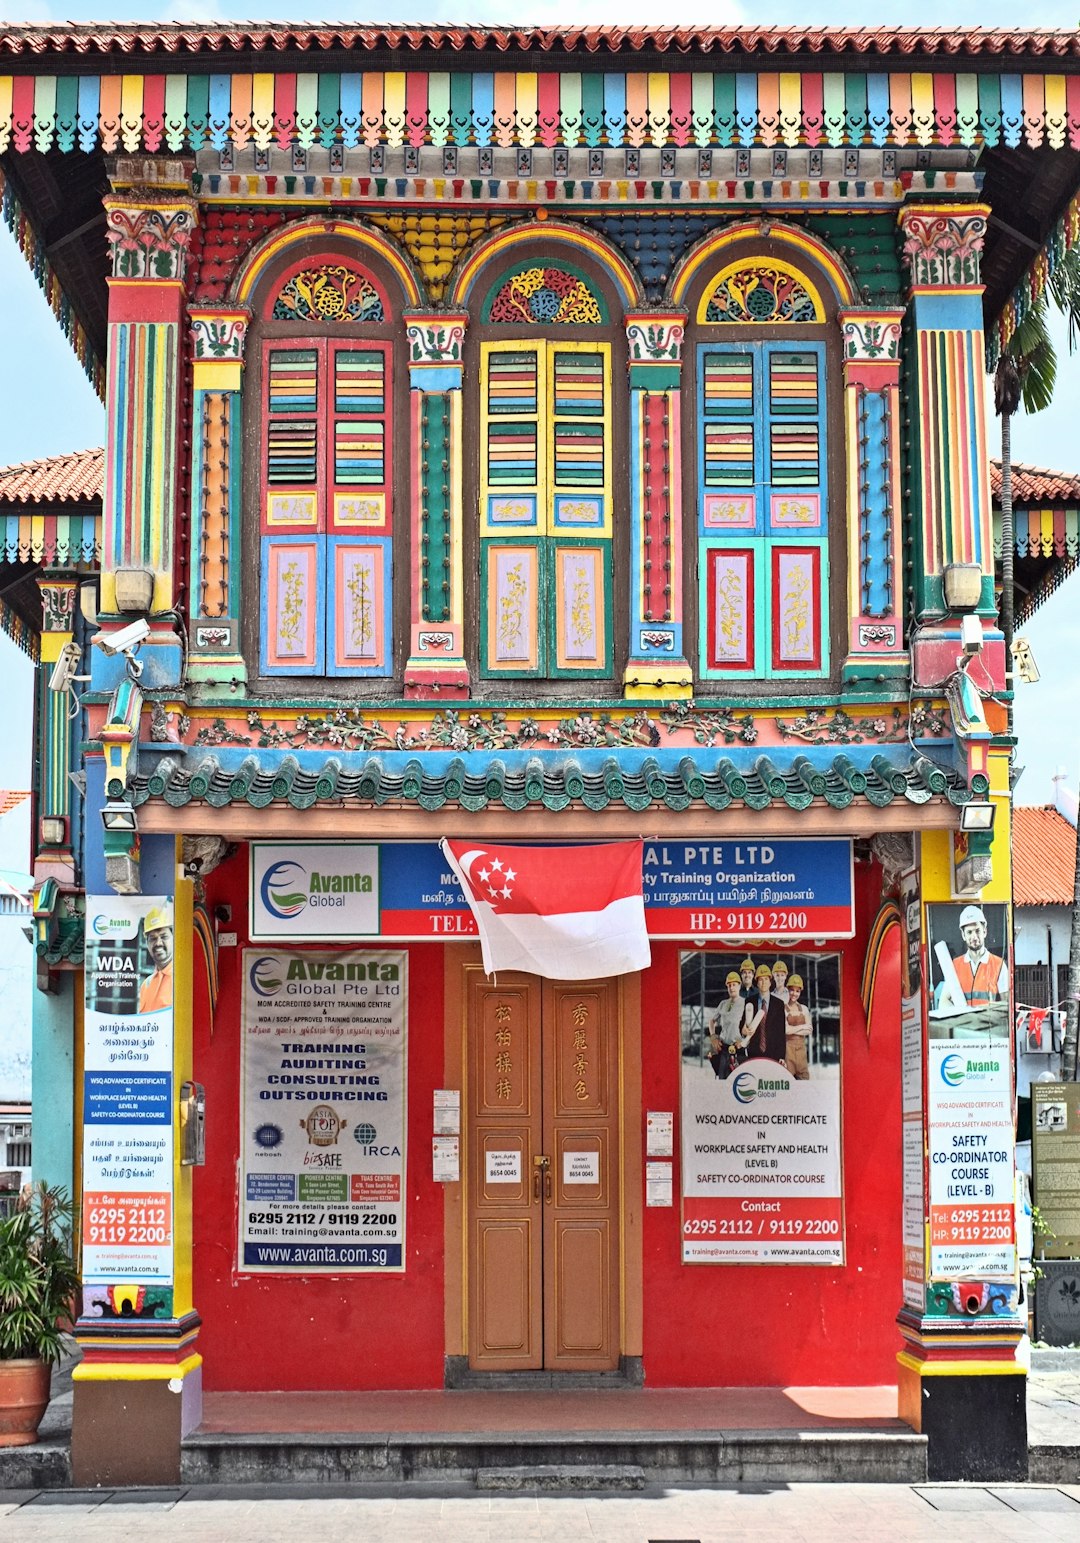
x=458 y=1374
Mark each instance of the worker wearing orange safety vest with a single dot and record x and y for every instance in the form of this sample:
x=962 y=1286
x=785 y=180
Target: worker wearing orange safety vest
x=983 y=976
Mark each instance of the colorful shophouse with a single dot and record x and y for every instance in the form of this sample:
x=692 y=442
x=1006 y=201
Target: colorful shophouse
x=523 y=437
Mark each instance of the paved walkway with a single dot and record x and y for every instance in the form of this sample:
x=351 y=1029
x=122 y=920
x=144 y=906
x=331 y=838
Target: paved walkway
x=807 y=1513
x=1054 y=1398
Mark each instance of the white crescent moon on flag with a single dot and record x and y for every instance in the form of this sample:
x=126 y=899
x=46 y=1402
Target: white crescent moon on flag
x=466 y=860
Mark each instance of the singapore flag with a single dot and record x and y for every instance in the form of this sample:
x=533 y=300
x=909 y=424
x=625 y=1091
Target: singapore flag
x=569 y=913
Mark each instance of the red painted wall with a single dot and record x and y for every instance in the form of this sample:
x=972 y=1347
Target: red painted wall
x=705 y=1325
x=290 y=1331
x=787 y=1325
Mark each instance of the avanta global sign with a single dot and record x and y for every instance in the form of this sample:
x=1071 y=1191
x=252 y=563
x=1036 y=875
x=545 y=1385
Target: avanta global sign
x=692 y=889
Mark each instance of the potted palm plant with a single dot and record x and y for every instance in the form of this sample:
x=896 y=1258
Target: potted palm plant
x=38 y=1282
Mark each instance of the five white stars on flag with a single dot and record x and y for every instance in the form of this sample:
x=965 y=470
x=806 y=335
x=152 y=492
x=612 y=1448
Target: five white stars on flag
x=488 y=876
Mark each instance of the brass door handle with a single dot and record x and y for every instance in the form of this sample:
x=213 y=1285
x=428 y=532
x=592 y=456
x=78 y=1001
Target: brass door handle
x=547 y=1184
x=536 y=1183
x=540 y=1165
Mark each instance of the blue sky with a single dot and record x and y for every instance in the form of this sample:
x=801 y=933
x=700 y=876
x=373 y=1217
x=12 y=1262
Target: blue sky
x=47 y=406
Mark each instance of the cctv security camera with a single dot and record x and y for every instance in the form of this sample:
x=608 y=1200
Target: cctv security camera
x=64 y=670
x=124 y=641
x=971 y=635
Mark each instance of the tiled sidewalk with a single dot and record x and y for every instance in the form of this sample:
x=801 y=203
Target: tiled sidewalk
x=808 y=1513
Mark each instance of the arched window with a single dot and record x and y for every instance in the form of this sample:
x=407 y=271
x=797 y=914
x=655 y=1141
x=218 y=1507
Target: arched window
x=325 y=392
x=762 y=330
x=547 y=494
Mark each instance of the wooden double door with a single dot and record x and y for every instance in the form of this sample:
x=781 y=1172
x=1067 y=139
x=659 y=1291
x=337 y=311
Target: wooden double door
x=543 y=1148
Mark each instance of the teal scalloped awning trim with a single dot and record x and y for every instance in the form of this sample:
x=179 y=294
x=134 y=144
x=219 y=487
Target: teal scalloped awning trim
x=555 y=783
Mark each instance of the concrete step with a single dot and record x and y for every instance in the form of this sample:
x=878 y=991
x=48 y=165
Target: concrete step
x=1049 y=1464
x=46 y=1465
x=567 y=1477
x=664 y=1457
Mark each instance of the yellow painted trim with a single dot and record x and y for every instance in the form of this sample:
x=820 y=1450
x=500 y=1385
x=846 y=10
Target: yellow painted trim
x=127 y=1371
x=961 y=1368
x=713 y=245
x=505 y=241
x=51 y=645
x=740 y=265
x=360 y=235
x=140 y=285
x=217 y=374
x=457 y=516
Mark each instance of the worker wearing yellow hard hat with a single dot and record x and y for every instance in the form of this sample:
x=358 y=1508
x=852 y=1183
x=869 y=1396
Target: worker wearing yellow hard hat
x=156 y=991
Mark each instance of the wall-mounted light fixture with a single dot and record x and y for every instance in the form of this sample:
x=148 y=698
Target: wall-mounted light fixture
x=119 y=818
x=977 y=817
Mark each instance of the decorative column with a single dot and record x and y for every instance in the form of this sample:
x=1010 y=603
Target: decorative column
x=138 y=1387
x=657 y=664
x=436 y=664
x=54 y=849
x=218 y=336
x=961 y=1322
x=871 y=342
x=149 y=221
x=951 y=481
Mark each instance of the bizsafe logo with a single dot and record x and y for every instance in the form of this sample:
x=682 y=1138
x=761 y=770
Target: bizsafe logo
x=280 y=889
x=265 y=975
x=953 y=1070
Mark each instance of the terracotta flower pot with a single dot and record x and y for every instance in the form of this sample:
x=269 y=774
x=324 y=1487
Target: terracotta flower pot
x=24 y=1398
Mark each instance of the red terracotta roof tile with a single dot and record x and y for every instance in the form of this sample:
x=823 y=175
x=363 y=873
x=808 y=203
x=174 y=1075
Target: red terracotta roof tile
x=59 y=479
x=1044 y=857
x=1037 y=485
x=243 y=37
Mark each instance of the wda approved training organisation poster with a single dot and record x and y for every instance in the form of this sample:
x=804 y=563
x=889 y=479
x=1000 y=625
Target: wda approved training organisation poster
x=322 y=1107
x=127 y=1098
x=761 y=1108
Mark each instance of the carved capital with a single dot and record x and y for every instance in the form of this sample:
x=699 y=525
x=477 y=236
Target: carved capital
x=655 y=337
x=57 y=604
x=436 y=337
x=218 y=334
x=871 y=337
x=943 y=244
x=148 y=233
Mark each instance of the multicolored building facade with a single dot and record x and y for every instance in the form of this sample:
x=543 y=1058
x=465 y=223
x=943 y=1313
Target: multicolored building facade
x=534 y=437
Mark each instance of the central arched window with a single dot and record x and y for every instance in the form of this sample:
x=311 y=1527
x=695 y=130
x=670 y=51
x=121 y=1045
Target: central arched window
x=760 y=328
x=326 y=470
x=545 y=473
